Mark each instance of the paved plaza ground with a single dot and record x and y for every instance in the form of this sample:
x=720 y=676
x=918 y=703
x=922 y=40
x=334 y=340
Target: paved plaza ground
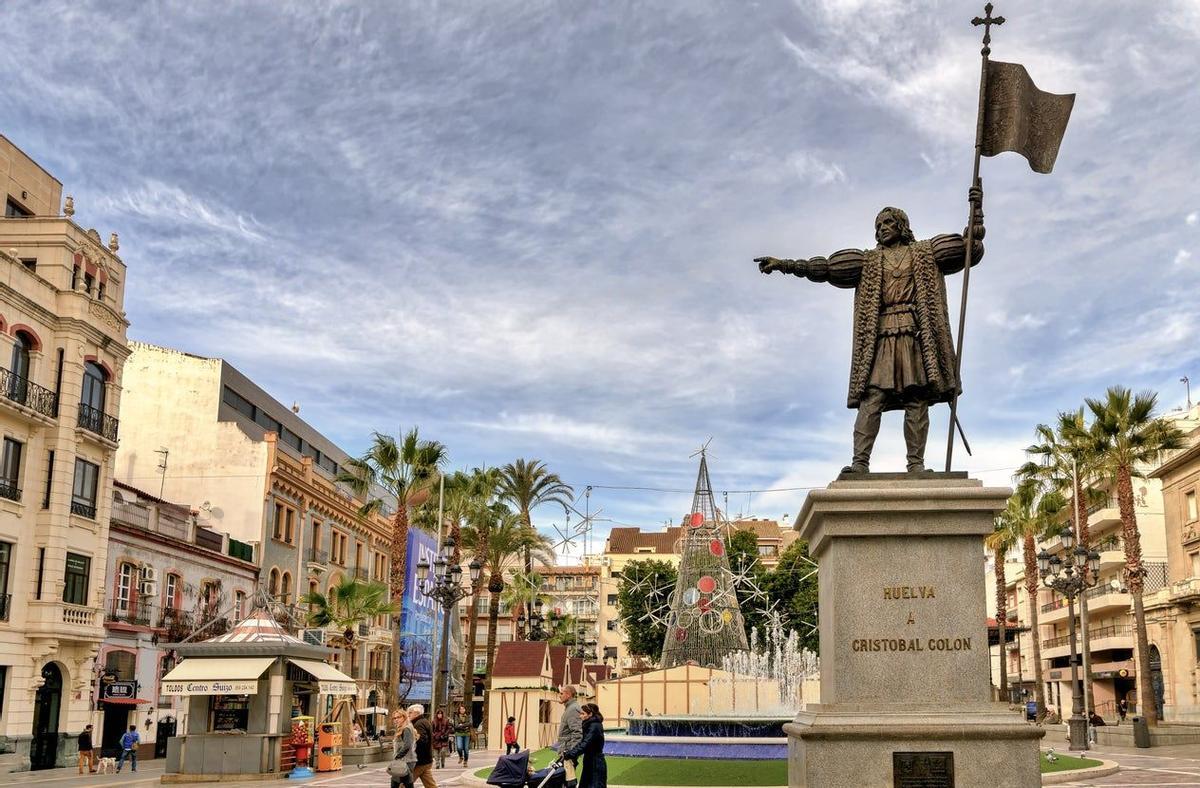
x=1173 y=766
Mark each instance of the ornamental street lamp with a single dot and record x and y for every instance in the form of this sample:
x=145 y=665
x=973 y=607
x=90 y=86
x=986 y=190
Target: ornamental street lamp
x=445 y=587
x=536 y=622
x=1070 y=578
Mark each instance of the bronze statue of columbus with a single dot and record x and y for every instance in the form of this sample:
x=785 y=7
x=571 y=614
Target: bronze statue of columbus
x=902 y=354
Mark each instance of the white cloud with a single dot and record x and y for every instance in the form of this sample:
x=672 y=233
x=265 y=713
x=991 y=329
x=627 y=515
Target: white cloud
x=1182 y=256
x=1193 y=218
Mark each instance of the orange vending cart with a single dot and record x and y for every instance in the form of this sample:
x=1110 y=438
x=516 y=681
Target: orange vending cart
x=329 y=747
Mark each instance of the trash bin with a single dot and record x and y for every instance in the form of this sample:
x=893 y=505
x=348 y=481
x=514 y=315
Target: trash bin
x=1141 y=732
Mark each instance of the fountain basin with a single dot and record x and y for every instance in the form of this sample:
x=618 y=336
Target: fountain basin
x=715 y=736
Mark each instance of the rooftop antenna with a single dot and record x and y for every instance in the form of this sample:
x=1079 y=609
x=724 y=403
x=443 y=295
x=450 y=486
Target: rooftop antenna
x=162 y=467
x=1188 y=386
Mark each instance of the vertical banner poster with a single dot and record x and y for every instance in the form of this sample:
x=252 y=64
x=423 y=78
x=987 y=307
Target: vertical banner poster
x=420 y=623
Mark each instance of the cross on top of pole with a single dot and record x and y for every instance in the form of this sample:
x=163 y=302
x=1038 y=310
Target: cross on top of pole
x=987 y=20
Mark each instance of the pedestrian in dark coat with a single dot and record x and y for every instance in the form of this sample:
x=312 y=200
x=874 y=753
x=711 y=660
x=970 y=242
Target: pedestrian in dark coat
x=591 y=747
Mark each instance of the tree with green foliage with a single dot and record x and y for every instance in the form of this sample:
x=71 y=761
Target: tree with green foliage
x=1126 y=437
x=792 y=586
x=348 y=604
x=645 y=587
x=394 y=473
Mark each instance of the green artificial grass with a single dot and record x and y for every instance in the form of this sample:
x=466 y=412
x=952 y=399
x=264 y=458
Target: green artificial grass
x=677 y=771
x=699 y=772
x=1066 y=763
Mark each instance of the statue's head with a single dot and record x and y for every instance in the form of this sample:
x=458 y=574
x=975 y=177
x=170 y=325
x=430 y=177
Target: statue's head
x=891 y=228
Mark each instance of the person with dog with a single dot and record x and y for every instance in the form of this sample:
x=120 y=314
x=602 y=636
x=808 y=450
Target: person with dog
x=87 y=752
x=129 y=745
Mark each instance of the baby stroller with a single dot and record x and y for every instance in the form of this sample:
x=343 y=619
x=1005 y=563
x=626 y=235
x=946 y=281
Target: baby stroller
x=512 y=771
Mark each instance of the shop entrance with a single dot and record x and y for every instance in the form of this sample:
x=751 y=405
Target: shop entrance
x=43 y=750
x=116 y=722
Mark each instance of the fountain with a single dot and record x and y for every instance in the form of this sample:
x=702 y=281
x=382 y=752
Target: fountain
x=749 y=699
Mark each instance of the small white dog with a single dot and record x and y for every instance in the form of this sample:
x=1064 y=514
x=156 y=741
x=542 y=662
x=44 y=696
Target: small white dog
x=108 y=765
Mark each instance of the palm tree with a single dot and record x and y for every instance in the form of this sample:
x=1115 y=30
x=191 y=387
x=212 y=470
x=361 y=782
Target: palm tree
x=507 y=542
x=527 y=484
x=348 y=604
x=1031 y=514
x=524 y=592
x=395 y=473
x=472 y=512
x=1061 y=462
x=1000 y=541
x=1127 y=437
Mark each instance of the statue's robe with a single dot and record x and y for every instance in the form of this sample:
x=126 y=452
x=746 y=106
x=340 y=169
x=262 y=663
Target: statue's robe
x=925 y=368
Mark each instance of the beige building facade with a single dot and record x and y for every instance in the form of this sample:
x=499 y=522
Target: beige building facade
x=259 y=473
x=1111 y=633
x=1173 y=613
x=62 y=352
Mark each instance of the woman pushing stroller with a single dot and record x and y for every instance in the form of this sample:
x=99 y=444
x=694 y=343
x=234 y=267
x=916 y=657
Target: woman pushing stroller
x=594 y=773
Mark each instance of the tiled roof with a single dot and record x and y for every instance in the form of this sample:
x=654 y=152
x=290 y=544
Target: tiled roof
x=558 y=663
x=762 y=528
x=627 y=540
x=519 y=658
x=597 y=673
x=576 y=665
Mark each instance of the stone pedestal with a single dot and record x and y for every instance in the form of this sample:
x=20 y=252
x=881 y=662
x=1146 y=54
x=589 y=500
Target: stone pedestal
x=905 y=679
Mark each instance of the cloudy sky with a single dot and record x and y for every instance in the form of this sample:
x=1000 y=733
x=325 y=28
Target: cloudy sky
x=527 y=227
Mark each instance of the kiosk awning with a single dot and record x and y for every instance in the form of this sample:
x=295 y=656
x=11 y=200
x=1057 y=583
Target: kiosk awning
x=215 y=676
x=330 y=680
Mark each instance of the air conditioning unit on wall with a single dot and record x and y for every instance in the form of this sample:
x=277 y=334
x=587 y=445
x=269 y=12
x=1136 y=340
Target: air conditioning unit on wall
x=314 y=637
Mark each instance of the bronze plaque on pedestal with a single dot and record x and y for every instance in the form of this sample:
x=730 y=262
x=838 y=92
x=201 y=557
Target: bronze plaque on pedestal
x=923 y=770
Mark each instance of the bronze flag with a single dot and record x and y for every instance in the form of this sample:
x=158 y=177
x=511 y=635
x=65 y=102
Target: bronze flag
x=1018 y=117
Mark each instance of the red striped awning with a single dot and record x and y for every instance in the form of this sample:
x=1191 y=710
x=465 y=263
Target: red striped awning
x=126 y=701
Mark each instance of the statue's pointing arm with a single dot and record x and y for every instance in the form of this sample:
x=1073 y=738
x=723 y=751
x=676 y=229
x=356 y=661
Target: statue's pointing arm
x=841 y=269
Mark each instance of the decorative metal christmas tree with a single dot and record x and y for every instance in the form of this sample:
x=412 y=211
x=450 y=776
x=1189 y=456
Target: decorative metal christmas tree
x=705 y=621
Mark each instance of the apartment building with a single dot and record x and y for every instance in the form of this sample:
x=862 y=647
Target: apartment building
x=1173 y=613
x=62 y=339
x=575 y=591
x=201 y=431
x=772 y=538
x=1111 y=635
x=170 y=576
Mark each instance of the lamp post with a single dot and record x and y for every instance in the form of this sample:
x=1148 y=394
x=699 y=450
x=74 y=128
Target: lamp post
x=536 y=622
x=445 y=587
x=1069 y=578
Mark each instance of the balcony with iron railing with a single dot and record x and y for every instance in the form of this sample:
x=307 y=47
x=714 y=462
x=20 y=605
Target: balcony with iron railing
x=125 y=611
x=361 y=573
x=84 y=509
x=98 y=422
x=18 y=390
x=377 y=674
x=1099 y=638
x=9 y=489
x=315 y=555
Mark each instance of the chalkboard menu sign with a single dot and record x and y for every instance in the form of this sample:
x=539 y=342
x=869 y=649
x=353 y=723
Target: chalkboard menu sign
x=230 y=712
x=923 y=770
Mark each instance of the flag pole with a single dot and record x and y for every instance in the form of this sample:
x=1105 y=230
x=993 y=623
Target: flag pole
x=987 y=21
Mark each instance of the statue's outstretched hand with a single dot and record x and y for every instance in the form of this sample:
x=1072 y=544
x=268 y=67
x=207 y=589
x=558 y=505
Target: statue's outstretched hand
x=768 y=265
x=975 y=198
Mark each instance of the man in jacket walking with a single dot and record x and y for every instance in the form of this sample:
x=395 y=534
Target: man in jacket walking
x=129 y=745
x=86 y=751
x=423 y=770
x=570 y=730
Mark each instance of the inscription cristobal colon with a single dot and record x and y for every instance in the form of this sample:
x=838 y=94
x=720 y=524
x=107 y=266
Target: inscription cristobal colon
x=911 y=644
